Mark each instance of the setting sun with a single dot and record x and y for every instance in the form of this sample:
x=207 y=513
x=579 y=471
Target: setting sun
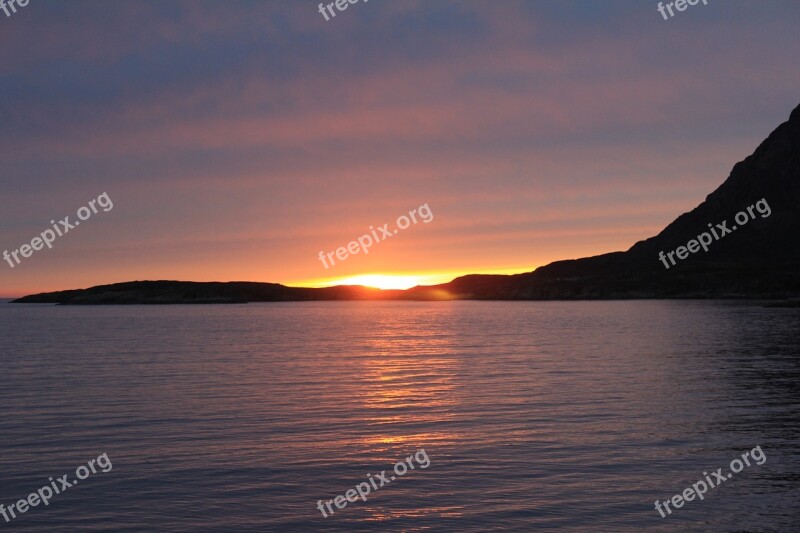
x=400 y=281
x=381 y=281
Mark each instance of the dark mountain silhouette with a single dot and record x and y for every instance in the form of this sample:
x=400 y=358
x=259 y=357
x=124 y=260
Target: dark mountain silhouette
x=758 y=260
x=180 y=292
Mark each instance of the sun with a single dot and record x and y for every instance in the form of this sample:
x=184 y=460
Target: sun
x=393 y=281
x=382 y=281
x=398 y=281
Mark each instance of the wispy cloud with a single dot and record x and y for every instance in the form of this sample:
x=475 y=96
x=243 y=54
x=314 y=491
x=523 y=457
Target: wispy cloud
x=537 y=129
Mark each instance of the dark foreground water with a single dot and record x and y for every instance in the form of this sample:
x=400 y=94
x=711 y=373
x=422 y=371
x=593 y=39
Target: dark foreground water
x=535 y=416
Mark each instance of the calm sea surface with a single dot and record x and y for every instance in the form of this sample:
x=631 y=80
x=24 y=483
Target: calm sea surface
x=536 y=416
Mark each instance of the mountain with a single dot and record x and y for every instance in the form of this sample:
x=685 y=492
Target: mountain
x=754 y=258
x=759 y=259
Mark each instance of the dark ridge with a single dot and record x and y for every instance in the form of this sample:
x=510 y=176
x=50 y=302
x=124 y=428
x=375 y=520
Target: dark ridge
x=759 y=260
x=188 y=292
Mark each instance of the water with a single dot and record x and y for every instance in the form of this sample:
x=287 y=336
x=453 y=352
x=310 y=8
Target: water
x=536 y=416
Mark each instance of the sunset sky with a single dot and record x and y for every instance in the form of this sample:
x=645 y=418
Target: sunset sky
x=239 y=139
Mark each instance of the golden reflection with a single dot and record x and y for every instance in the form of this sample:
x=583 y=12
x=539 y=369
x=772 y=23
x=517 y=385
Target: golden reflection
x=411 y=377
x=444 y=511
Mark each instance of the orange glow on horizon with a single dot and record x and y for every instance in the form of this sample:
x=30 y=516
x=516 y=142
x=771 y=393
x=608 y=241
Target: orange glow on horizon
x=401 y=281
x=384 y=281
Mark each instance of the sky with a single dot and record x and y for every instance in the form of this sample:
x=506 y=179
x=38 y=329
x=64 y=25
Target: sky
x=239 y=139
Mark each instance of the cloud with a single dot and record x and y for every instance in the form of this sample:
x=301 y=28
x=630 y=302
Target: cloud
x=261 y=122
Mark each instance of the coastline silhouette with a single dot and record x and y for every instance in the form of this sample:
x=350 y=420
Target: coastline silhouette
x=761 y=261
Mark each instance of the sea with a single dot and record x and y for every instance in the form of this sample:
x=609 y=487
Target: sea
x=534 y=416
